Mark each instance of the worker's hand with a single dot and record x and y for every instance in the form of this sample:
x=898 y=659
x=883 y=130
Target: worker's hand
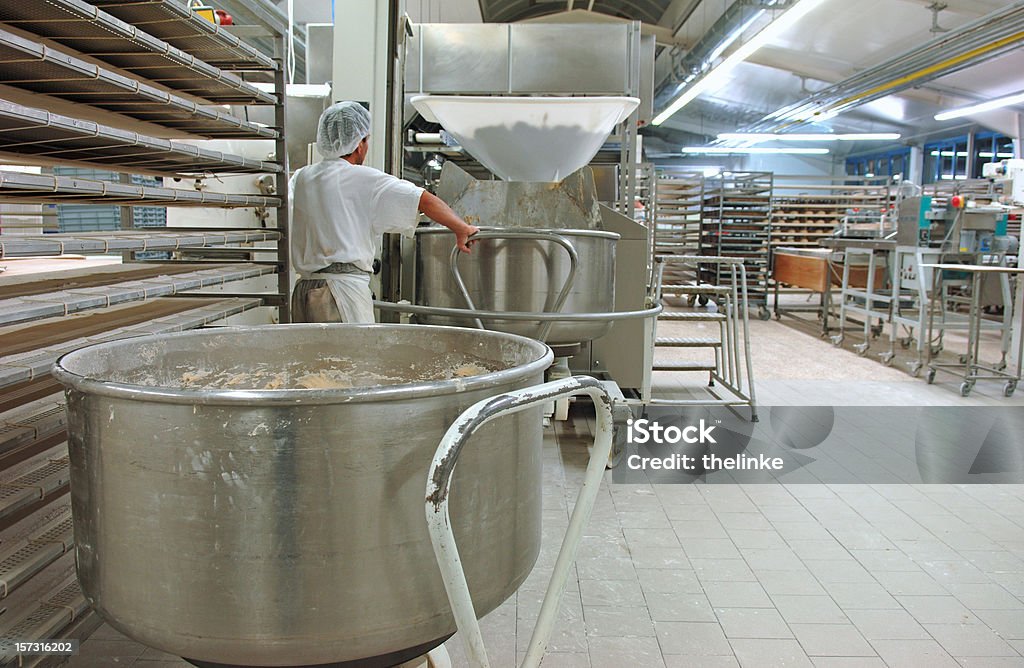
x=462 y=237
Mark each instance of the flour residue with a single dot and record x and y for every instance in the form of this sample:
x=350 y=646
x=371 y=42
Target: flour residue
x=327 y=374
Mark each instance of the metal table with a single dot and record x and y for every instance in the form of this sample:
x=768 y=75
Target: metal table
x=970 y=369
x=874 y=300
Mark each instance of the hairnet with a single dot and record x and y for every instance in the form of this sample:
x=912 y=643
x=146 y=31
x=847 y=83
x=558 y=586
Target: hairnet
x=342 y=126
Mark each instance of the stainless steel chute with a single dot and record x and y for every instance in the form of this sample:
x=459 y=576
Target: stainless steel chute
x=281 y=527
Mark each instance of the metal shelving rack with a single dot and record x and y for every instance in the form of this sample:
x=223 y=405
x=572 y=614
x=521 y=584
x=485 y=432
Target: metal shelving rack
x=975 y=188
x=676 y=228
x=161 y=72
x=736 y=210
x=806 y=210
x=88 y=30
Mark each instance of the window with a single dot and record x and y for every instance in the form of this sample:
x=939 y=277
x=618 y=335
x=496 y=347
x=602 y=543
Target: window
x=990 y=147
x=879 y=165
x=947 y=160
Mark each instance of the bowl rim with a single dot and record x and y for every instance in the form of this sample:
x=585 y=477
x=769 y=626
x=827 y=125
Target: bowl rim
x=298 y=396
x=434 y=228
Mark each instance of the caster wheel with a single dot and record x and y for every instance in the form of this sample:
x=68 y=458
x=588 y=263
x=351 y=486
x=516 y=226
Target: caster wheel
x=837 y=340
x=1009 y=388
x=930 y=377
x=965 y=388
x=905 y=343
x=887 y=358
x=702 y=300
x=1001 y=366
x=764 y=314
x=861 y=349
x=936 y=351
x=778 y=317
x=876 y=331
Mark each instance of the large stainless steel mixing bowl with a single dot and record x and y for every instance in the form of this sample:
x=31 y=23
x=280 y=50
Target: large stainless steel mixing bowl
x=520 y=275
x=285 y=527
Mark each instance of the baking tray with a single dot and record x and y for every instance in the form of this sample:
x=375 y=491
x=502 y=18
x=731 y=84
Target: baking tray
x=51 y=189
x=56 y=139
x=176 y=24
x=62 y=302
x=105 y=243
x=87 y=29
x=32 y=66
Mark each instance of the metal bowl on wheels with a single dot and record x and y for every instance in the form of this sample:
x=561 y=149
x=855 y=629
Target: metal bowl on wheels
x=227 y=517
x=521 y=270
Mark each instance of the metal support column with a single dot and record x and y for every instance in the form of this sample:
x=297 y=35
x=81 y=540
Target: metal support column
x=281 y=153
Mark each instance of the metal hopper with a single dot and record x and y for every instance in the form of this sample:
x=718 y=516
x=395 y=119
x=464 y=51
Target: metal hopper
x=528 y=138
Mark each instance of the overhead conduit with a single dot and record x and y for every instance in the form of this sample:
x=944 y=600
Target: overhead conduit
x=988 y=37
x=688 y=65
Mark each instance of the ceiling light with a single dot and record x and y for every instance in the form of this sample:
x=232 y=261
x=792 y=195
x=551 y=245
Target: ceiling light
x=733 y=36
x=754 y=150
x=812 y=136
x=998 y=103
x=745 y=50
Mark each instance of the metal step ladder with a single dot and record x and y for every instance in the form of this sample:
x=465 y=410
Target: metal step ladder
x=729 y=371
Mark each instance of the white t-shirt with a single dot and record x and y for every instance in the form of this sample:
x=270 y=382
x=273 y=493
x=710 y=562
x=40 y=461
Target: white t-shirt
x=339 y=212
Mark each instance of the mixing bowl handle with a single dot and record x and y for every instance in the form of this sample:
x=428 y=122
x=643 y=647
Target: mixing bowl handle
x=574 y=260
x=439 y=523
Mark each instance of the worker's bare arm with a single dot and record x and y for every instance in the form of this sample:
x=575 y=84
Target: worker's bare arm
x=434 y=208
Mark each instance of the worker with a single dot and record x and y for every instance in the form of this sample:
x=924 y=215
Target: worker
x=340 y=209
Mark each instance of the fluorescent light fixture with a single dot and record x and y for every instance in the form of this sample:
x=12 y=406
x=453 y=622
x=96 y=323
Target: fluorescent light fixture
x=733 y=36
x=988 y=154
x=745 y=50
x=812 y=136
x=869 y=175
x=998 y=103
x=725 y=150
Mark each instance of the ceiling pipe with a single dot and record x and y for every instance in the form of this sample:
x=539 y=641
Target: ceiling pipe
x=686 y=66
x=990 y=36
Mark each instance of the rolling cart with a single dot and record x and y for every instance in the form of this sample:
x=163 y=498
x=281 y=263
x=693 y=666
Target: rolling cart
x=970 y=369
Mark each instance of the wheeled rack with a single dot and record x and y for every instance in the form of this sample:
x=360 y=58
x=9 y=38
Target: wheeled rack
x=132 y=87
x=736 y=211
x=971 y=369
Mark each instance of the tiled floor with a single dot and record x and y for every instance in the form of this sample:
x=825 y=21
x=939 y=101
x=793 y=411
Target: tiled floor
x=764 y=575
